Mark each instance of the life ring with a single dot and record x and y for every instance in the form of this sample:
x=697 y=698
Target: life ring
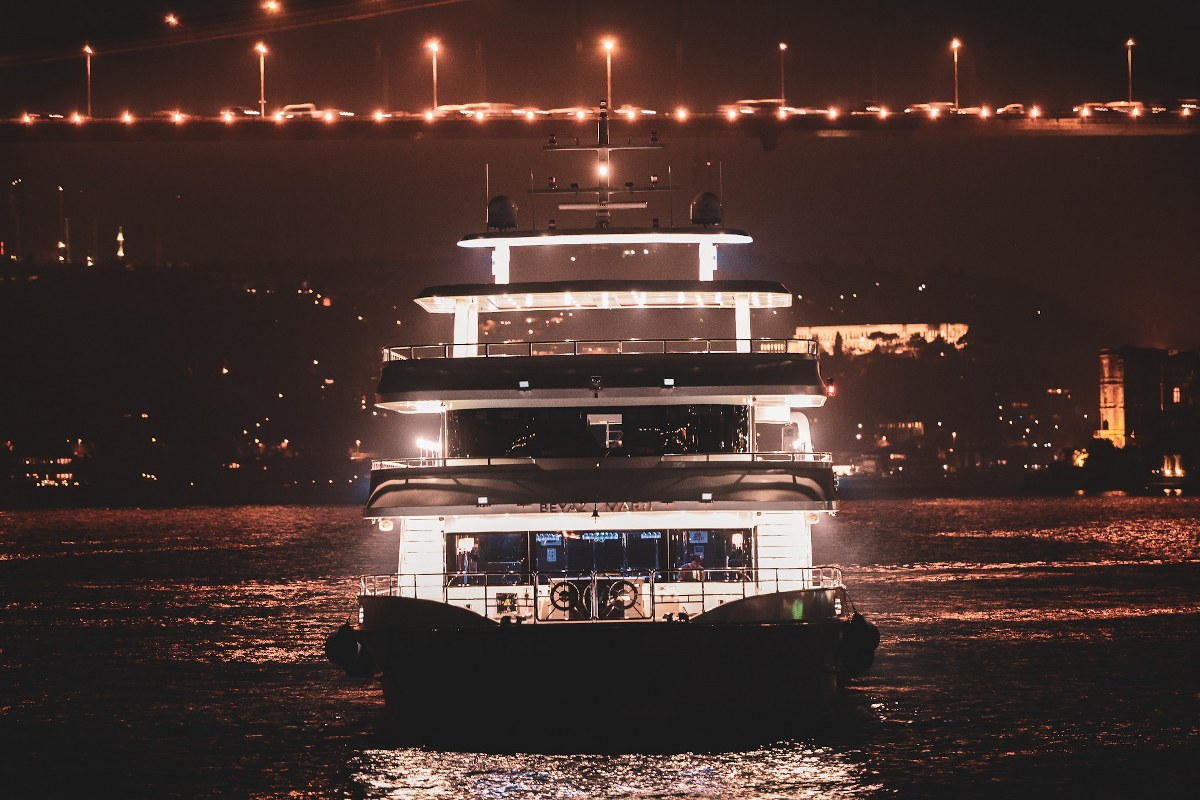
x=564 y=596
x=622 y=595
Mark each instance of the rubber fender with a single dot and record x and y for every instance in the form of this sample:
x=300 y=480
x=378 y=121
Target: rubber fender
x=859 y=640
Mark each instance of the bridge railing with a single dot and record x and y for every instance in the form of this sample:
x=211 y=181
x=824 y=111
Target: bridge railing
x=440 y=461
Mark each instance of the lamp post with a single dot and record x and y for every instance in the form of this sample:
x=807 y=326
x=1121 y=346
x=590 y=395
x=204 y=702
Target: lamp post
x=1129 y=63
x=954 y=45
x=261 y=49
x=87 y=55
x=609 y=44
x=433 y=47
x=782 y=96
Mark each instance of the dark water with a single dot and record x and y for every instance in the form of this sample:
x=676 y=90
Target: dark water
x=1044 y=647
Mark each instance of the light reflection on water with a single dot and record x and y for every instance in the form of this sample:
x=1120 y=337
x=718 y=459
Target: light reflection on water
x=785 y=770
x=1046 y=646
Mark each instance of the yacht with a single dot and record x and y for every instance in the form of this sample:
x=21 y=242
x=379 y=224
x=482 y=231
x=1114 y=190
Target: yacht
x=611 y=538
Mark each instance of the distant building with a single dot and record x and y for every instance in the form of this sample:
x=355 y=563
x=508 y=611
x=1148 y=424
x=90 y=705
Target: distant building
x=858 y=340
x=1150 y=398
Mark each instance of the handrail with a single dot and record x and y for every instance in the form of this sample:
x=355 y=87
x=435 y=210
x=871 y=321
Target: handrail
x=483 y=461
x=526 y=595
x=576 y=347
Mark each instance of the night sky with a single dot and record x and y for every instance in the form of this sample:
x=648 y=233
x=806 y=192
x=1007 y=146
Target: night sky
x=1109 y=223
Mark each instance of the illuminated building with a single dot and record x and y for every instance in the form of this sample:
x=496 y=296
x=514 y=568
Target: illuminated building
x=857 y=340
x=1149 y=401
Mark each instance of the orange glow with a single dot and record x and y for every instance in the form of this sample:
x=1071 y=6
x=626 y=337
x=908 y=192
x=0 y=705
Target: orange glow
x=261 y=49
x=631 y=115
x=609 y=44
x=433 y=45
x=984 y=112
x=580 y=115
x=77 y=118
x=1085 y=112
x=227 y=116
x=429 y=116
x=479 y=116
x=681 y=114
x=731 y=115
x=833 y=113
x=529 y=116
x=883 y=112
x=378 y=116
x=87 y=50
x=934 y=113
x=171 y=20
x=178 y=117
x=783 y=45
x=127 y=118
x=1129 y=43
x=329 y=116
x=1035 y=112
x=955 y=44
x=781 y=113
x=279 y=116
x=1135 y=112
x=272 y=6
x=27 y=119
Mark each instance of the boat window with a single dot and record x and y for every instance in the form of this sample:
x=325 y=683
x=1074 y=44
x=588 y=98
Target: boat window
x=585 y=432
x=494 y=558
x=724 y=554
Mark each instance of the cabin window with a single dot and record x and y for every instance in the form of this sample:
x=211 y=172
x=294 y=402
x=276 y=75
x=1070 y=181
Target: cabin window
x=589 y=432
x=494 y=559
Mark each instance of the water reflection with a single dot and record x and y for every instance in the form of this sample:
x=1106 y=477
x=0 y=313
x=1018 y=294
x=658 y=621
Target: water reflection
x=783 y=770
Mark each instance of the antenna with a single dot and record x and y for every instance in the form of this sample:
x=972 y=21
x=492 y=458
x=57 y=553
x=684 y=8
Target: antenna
x=721 y=185
x=487 y=189
x=670 y=196
x=532 y=205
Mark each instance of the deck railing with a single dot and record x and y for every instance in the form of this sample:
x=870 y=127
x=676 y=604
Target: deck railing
x=438 y=461
x=808 y=347
x=591 y=596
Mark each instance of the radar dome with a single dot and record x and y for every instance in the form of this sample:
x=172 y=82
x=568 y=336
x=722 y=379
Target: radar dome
x=706 y=209
x=501 y=212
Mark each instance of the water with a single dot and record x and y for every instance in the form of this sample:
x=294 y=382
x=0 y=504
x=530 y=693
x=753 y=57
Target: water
x=1046 y=647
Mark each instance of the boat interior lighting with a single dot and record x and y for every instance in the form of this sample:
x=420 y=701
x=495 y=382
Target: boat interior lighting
x=578 y=298
x=591 y=236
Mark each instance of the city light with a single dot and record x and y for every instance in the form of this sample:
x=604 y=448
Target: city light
x=782 y=96
x=261 y=49
x=681 y=114
x=88 y=52
x=272 y=6
x=1129 y=62
x=433 y=46
x=609 y=44
x=955 y=44
x=171 y=20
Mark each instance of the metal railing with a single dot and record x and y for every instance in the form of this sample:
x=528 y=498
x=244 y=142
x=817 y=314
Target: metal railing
x=570 y=347
x=591 y=596
x=784 y=456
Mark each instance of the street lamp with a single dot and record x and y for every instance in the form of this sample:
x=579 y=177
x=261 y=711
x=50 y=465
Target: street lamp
x=261 y=49
x=171 y=20
x=1129 y=62
x=954 y=45
x=782 y=96
x=87 y=55
x=609 y=44
x=433 y=47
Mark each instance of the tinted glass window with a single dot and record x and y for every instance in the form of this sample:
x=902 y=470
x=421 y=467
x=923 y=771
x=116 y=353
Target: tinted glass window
x=574 y=432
